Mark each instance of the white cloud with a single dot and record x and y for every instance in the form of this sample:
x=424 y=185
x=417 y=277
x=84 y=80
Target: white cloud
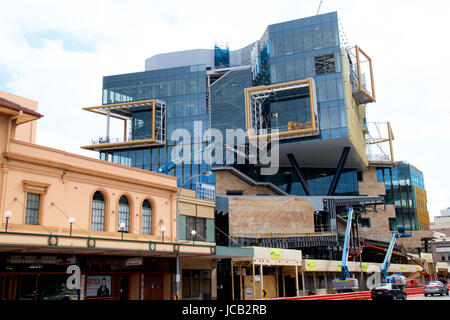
x=406 y=39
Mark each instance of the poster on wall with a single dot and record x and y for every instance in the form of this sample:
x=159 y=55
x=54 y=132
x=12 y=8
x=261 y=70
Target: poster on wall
x=98 y=286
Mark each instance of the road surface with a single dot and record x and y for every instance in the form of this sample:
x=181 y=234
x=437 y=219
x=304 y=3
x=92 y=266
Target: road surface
x=430 y=298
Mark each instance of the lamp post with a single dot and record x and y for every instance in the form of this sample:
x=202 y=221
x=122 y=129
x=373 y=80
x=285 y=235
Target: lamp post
x=177 y=276
x=193 y=233
x=71 y=221
x=162 y=233
x=122 y=228
x=8 y=215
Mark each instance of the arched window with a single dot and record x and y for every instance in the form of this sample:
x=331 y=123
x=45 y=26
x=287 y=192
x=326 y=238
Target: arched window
x=98 y=212
x=124 y=213
x=146 y=217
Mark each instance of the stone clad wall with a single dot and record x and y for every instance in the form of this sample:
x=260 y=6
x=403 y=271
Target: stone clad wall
x=379 y=221
x=227 y=181
x=379 y=230
x=258 y=216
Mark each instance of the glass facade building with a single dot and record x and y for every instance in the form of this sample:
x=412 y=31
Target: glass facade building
x=184 y=91
x=212 y=95
x=405 y=189
x=306 y=48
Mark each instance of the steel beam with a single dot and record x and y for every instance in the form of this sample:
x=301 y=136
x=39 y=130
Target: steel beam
x=339 y=170
x=300 y=175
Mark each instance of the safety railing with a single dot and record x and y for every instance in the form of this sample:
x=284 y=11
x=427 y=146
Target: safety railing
x=364 y=295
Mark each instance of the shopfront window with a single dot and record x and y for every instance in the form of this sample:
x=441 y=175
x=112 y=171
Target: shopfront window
x=27 y=287
x=196 y=284
x=53 y=287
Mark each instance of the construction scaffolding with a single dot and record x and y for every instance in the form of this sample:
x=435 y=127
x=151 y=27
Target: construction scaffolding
x=262 y=121
x=379 y=139
x=361 y=75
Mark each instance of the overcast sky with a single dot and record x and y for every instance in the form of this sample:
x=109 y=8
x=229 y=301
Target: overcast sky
x=56 y=52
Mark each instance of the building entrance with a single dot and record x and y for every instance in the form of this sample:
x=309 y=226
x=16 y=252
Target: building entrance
x=153 y=287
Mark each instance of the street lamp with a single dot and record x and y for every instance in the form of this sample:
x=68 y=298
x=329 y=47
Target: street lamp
x=193 y=233
x=122 y=228
x=177 y=277
x=162 y=233
x=8 y=215
x=71 y=221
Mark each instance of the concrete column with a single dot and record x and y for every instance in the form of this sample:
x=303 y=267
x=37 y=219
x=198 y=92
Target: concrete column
x=276 y=282
x=254 y=282
x=296 y=282
x=261 y=282
x=232 y=281
x=240 y=283
x=108 y=120
x=315 y=281
x=303 y=282
x=125 y=130
x=284 y=286
x=214 y=281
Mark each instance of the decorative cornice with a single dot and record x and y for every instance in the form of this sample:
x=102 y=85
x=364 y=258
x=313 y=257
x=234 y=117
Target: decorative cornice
x=92 y=172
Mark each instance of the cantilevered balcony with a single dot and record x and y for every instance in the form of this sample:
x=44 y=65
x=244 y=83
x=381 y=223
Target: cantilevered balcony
x=361 y=76
x=144 y=125
x=380 y=151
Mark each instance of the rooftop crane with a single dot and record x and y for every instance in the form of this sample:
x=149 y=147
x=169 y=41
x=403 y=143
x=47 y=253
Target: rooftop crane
x=396 y=278
x=345 y=282
x=318 y=10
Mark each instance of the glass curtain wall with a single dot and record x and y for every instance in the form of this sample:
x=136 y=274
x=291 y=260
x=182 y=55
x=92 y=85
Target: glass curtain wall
x=306 y=48
x=319 y=180
x=400 y=192
x=184 y=91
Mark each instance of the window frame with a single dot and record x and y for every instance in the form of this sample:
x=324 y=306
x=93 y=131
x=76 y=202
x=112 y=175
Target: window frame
x=151 y=217
x=39 y=208
x=105 y=219
x=195 y=222
x=130 y=213
x=38 y=188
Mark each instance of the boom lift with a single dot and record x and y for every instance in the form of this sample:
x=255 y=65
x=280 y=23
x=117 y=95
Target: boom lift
x=396 y=278
x=346 y=283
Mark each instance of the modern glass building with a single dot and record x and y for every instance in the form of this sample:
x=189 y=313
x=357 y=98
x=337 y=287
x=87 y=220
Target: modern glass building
x=297 y=90
x=296 y=85
x=405 y=189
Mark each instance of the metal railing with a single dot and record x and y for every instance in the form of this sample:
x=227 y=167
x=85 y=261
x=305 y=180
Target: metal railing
x=104 y=140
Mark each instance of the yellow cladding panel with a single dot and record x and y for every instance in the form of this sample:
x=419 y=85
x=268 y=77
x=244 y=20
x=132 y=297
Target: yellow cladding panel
x=122 y=104
x=117 y=144
x=355 y=127
x=423 y=216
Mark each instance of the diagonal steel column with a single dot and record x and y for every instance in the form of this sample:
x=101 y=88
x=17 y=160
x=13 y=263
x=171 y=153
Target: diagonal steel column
x=339 y=170
x=300 y=175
